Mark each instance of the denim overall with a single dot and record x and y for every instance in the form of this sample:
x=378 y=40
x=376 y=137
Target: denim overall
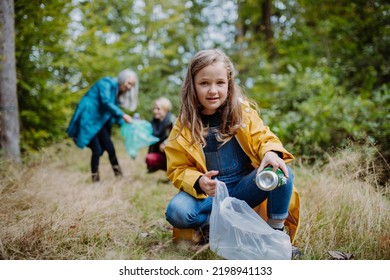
x=236 y=171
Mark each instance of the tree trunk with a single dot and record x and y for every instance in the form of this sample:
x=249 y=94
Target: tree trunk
x=266 y=26
x=9 y=112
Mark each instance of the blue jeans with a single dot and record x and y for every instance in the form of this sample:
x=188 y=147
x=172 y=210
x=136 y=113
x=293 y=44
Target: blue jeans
x=186 y=211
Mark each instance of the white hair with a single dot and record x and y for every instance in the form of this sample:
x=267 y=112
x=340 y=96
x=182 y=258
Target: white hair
x=129 y=99
x=164 y=102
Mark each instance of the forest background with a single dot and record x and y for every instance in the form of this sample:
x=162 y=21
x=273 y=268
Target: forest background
x=319 y=70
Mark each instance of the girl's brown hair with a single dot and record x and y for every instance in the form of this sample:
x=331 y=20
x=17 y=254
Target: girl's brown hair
x=190 y=112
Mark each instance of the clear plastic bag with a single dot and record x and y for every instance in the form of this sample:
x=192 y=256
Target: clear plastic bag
x=239 y=233
x=137 y=135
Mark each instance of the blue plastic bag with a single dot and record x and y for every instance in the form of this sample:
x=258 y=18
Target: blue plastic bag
x=137 y=135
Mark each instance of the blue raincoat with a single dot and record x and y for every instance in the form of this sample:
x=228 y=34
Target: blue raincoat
x=98 y=106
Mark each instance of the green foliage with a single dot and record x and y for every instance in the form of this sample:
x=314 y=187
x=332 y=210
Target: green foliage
x=312 y=113
x=327 y=82
x=40 y=37
x=353 y=36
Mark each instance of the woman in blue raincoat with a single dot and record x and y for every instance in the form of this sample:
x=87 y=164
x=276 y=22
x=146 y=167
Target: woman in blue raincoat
x=97 y=111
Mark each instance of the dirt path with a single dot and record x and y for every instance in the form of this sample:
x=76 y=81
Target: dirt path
x=52 y=210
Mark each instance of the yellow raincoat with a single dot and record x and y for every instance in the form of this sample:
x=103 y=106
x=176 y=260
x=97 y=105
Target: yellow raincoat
x=186 y=163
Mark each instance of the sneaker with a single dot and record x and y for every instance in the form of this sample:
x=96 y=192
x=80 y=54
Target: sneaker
x=151 y=170
x=117 y=170
x=296 y=253
x=95 y=177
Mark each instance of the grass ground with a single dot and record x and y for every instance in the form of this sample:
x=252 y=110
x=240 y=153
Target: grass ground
x=49 y=209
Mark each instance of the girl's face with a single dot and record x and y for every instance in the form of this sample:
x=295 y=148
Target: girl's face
x=159 y=112
x=211 y=86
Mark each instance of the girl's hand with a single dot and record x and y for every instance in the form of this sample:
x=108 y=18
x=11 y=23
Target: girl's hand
x=162 y=145
x=207 y=184
x=127 y=118
x=272 y=158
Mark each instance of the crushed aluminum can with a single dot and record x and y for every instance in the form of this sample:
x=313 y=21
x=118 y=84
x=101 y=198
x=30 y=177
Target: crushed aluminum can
x=268 y=180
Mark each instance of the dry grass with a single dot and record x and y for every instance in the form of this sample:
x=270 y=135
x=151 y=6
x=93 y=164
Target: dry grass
x=50 y=210
x=343 y=209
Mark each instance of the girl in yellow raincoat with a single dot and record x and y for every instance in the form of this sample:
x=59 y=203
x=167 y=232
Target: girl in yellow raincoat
x=219 y=135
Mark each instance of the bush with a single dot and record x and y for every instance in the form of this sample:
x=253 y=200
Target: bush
x=312 y=113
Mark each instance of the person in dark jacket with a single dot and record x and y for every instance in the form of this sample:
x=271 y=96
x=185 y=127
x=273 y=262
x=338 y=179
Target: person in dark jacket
x=97 y=111
x=162 y=124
